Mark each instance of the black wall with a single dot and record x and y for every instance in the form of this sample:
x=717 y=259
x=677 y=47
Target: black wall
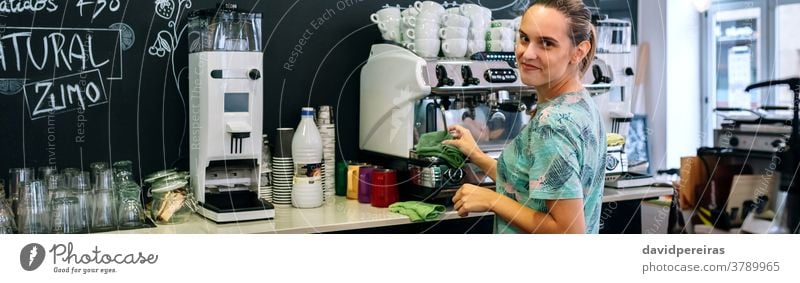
x=136 y=108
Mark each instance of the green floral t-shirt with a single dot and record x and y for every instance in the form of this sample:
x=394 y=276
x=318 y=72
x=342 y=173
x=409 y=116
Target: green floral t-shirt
x=559 y=155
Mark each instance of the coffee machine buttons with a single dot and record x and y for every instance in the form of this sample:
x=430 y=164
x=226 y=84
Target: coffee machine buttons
x=500 y=75
x=466 y=74
x=441 y=76
x=508 y=57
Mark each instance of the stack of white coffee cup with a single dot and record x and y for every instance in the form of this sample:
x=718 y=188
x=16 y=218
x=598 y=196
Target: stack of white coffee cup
x=388 y=21
x=501 y=36
x=408 y=18
x=425 y=31
x=454 y=34
x=479 y=17
x=427 y=26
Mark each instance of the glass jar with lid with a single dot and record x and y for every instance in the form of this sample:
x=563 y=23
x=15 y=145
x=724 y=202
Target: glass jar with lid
x=173 y=201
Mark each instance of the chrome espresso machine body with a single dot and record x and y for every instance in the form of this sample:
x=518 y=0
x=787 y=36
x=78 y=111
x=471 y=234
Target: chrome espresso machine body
x=226 y=89
x=787 y=219
x=404 y=96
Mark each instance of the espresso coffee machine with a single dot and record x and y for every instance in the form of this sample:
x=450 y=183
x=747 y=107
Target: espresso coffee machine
x=404 y=96
x=226 y=89
x=616 y=72
x=787 y=219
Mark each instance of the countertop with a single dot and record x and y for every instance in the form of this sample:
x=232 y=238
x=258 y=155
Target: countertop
x=336 y=215
x=342 y=214
x=611 y=194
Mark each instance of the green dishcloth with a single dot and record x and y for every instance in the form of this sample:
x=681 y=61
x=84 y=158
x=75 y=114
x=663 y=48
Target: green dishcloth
x=430 y=144
x=417 y=210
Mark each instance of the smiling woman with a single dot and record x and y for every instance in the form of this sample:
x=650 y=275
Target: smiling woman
x=555 y=37
x=550 y=177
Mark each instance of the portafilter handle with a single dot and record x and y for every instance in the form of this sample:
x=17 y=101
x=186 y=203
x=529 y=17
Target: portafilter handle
x=793 y=83
x=735 y=109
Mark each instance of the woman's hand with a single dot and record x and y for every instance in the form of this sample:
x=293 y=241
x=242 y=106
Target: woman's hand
x=471 y=198
x=463 y=140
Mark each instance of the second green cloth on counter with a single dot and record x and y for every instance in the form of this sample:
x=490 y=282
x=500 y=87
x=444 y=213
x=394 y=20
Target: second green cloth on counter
x=430 y=144
x=417 y=210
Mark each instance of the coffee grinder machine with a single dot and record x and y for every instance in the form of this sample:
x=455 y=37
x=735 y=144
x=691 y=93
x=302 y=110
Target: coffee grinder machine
x=404 y=96
x=226 y=89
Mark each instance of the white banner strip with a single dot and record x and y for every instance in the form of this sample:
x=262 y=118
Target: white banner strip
x=398 y=258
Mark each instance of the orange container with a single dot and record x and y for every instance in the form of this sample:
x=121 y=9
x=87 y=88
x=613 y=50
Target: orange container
x=352 y=180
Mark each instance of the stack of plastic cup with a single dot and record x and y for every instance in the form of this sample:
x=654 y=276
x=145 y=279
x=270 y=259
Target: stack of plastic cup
x=327 y=130
x=282 y=167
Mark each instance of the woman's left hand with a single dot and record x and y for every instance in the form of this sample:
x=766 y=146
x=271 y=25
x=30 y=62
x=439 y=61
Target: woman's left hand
x=471 y=198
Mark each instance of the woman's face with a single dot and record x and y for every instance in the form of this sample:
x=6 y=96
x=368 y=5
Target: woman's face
x=543 y=50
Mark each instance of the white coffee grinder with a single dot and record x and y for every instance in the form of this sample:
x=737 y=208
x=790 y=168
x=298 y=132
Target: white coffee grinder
x=225 y=110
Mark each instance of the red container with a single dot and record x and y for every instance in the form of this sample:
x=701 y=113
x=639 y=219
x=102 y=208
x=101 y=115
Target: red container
x=384 y=187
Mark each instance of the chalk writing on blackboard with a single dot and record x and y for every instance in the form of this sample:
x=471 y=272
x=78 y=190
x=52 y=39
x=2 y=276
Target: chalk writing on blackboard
x=93 y=7
x=59 y=69
x=18 y=6
x=165 y=8
x=127 y=37
x=167 y=40
x=162 y=44
x=64 y=94
x=59 y=49
x=96 y=7
x=11 y=86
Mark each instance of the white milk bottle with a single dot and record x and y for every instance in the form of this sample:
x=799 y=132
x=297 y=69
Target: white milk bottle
x=307 y=155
